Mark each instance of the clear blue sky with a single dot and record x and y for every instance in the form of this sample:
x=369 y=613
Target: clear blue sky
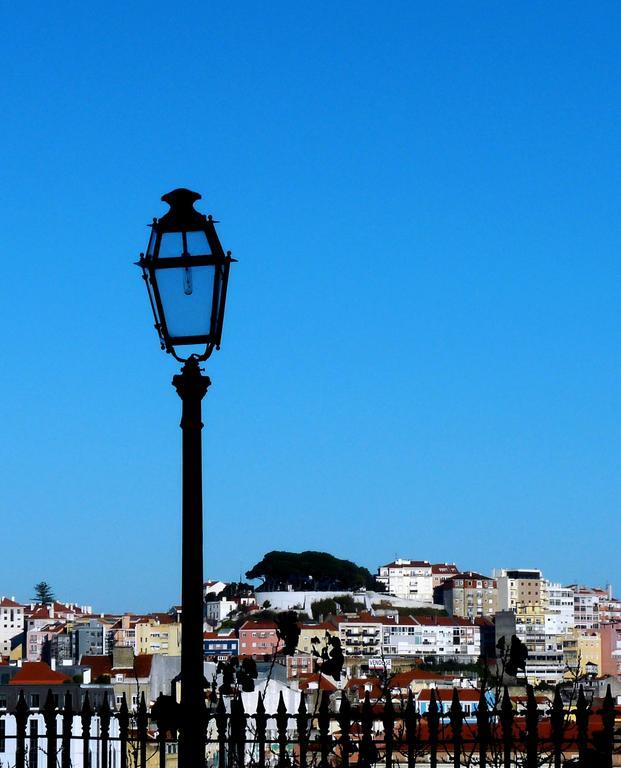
x=421 y=349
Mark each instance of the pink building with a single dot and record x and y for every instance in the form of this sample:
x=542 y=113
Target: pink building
x=258 y=639
x=610 y=638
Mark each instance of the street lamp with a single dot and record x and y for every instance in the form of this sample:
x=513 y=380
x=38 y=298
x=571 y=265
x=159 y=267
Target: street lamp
x=186 y=273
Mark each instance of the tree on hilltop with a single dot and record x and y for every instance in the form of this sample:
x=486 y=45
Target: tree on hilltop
x=43 y=593
x=311 y=571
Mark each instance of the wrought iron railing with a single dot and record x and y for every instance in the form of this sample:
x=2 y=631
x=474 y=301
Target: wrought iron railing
x=329 y=734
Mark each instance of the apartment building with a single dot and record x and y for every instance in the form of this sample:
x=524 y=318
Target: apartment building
x=559 y=604
x=440 y=572
x=519 y=586
x=11 y=625
x=610 y=637
x=408 y=579
x=362 y=635
x=586 y=606
x=440 y=637
x=582 y=651
x=259 y=639
x=158 y=636
x=470 y=595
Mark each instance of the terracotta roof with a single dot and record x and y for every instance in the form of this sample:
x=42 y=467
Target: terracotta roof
x=141 y=667
x=446 y=694
x=403 y=679
x=99 y=665
x=38 y=673
x=258 y=625
x=6 y=603
x=324 y=683
x=444 y=568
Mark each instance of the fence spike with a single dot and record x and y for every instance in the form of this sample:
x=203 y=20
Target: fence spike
x=302 y=724
x=323 y=720
x=261 y=725
x=67 y=730
x=282 y=721
x=608 y=736
x=582 y=723
x=388 y=720
x=86 y=715
x=123 y=730
x=433 y=720
x=532 y=736
x=557 y=722
x=456 y=719
x=483 y=726
x=21 y=713
x=344 y=720
x=410 y=719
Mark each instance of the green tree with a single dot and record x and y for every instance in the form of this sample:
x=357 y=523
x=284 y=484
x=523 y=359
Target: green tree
x=43 y=593
x=311 y=571
x=323 y=608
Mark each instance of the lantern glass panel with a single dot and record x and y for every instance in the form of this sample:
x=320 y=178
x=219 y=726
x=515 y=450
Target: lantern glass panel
x=151 y=246
x=171 y=244
x=187 y=298
x=197 y=243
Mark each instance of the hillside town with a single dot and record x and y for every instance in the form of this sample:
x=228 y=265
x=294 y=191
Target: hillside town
x=426 y=626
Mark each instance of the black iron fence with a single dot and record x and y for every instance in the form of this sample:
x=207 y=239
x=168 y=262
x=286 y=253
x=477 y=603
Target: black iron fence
x=332 y=732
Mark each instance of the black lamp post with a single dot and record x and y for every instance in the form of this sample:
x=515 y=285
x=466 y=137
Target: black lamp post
x=186 y=273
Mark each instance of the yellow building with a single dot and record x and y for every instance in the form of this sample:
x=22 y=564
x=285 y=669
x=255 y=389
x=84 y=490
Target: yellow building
x=310 y=632
x=156 y=637
x=582 y=648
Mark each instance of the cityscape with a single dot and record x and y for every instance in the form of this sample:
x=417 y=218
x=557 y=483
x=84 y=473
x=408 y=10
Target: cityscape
x=425 y=622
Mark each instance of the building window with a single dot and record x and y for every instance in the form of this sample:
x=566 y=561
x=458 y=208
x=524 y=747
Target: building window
x=34 y=700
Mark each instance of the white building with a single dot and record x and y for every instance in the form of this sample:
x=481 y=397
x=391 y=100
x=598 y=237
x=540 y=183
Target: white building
x=438 y=636
x=559 y=609
x=408 y=579
x=219 y=609
x=11 y=624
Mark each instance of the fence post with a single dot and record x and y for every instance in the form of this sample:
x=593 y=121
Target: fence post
x=389 y=728
x=302 y=730
x=324 y=729
x=582 y=722
x=532 y=736
x=483 y=728
x=261 y=720
x=344 y=720
x=608 y=736
x=67 y=731
x=123 y=731
x=367 y=747
x=86 y=714
x=105 y=715
x=506 y=722
x=456 y=718
x=21 y=718
x=142 y=722
x=411 y=719
x=238 y=732
x=557 y=722
x=433 y=720
x=221 y=726
x=51 y=730
x=282 y=721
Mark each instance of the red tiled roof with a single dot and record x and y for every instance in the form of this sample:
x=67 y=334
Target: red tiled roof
x=325 y=683
x=7 y=603
x=446 y=694
x=258 y=625
x=38 y=673
x=99 y=665
x=403 y=679
x=444 y=568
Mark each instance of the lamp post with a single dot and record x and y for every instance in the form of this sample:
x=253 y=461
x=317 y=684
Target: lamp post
x=186 y=274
